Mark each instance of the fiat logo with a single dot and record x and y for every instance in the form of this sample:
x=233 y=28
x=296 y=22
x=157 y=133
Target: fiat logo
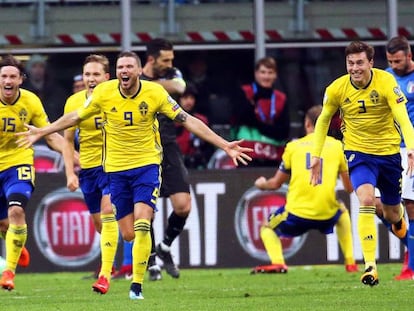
x=253 y=208
x=64 y=231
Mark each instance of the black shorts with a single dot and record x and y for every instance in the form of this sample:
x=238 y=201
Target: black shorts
x=174 y=173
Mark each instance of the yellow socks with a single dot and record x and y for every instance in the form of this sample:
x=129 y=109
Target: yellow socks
x=15 y=240
x=141 y=249
x=344 y=233
x=272 y=244
x=367 y=232
x=109 y=244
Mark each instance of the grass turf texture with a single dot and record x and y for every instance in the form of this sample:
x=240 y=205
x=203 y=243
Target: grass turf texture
x=326 y=287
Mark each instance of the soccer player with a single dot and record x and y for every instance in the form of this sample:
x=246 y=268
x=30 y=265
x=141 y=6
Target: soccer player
x=401 y=66
x=92 y=180
x=132 y=149
x=307 y=207
x=17 y=174
x=373 y=113
x=159 y=68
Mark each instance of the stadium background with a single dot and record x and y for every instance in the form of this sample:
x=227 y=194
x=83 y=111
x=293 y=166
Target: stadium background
x=306 y=37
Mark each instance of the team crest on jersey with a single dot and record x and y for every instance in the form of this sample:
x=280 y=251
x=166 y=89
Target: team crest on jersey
x=143 y=108
x=23 y=115
x=374 y=97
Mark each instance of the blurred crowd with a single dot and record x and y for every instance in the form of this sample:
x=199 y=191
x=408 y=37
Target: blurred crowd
x=254 y=108
x=259 y=115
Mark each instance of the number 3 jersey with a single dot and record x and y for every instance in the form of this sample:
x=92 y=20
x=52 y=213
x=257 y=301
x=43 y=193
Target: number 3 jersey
x=26 y=109
x=371 y=116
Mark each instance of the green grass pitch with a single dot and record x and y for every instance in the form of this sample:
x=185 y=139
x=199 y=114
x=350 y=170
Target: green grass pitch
x=324 y=288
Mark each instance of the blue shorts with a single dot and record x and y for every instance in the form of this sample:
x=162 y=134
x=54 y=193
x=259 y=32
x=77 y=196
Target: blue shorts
x=383 y=172
x=132 y=186
x=286 y=224
x=94 y=183
x=15 y=180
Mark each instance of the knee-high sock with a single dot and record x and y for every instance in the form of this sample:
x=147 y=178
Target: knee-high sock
x=344 y=233
x=367 y=232
x=273 y=245
x=15 y=240
x=109 y=244
x=410 y=245
x=141 y=249
x=175 y=226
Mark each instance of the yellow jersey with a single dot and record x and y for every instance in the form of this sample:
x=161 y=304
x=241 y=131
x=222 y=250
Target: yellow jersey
x=303 y=199
x=372 y=117
x=26 y=109
x=90 y=133
x=130 y=131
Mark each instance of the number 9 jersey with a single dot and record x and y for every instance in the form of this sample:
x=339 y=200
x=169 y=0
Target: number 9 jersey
x=130 y=127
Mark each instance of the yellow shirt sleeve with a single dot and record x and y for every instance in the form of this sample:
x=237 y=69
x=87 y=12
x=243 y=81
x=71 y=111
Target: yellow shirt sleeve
x=400 y=114
x=322 y=124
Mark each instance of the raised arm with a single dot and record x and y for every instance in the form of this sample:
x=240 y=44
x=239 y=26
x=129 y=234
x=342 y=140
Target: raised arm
x=72 y=180
x=28 y=138
x=197 y=127
x=55 y=141
x=321 y=130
